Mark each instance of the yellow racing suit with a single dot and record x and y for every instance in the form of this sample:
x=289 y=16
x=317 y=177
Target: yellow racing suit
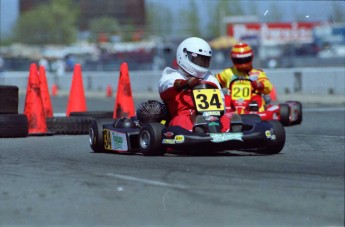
x=227 y=75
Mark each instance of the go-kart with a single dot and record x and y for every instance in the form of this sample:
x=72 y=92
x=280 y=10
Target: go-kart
x=148 y=134
x=239 y=100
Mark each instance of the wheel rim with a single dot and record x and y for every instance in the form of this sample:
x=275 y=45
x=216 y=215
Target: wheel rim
x=144 y=139
x=91 y=136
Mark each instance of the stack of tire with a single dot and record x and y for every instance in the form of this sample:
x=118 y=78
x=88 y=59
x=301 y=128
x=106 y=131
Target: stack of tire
x=12 y=124
x=77 y=123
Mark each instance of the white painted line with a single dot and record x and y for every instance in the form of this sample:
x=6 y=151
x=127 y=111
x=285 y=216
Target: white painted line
x=146 y=181
x=325 y=109
x=311 y=135
x=59 y=114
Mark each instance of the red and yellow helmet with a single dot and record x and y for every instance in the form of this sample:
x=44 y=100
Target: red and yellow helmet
x=242 y=56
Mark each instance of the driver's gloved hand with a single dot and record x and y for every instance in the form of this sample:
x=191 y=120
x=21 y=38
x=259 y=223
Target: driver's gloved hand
x=180 y=84
x=257 y=85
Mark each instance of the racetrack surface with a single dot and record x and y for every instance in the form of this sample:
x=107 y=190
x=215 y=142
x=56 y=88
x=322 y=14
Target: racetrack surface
x=58 y=180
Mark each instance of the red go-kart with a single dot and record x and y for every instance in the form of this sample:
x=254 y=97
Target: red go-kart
x=240 y=100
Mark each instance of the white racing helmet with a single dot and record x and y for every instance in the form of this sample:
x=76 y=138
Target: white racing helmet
x=193 y=55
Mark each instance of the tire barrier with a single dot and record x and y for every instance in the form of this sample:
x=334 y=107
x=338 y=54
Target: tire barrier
x=12 y=124
x=69 y=125
x=8 y=99
x=93 y=114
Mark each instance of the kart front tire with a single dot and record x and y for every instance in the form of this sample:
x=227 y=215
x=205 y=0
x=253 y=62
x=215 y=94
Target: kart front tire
x=299 y=113
x=284 y=110
x=150 y=139
x=277 y=145
x=96 y=139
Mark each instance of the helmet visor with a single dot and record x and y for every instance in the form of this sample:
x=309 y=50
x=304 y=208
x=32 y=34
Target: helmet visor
x=198 y=59
x=242 y=60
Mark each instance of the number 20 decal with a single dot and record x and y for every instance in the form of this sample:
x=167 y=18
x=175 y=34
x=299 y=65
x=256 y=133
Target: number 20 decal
x=244 y=92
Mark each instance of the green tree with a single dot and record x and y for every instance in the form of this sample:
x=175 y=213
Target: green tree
x=223 y=8
x=159 y=20
x=190 y=20
x=49 y=23
x=128 y=31
x=104 y=25
x=338 y=14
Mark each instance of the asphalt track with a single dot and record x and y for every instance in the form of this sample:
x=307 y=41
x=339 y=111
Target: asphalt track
x=58 y=180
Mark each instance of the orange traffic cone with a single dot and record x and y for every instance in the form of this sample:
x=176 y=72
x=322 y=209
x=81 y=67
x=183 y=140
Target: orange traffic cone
x=47 y=105
x=76 y=99
x=109 y=91
x=273 y=94
x=33 y=107
x=55 y=90
x=124 y=105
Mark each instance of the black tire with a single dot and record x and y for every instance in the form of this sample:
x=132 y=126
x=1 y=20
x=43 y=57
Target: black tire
x=8 y=99
x=277 y=145
x=94 y=114
x=96 y=134
x=14 y=125
x=150 y=139
x=69 y=125
x=299 y=113
x=284 y=111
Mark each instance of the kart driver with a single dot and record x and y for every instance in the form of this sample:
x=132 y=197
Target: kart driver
x=193 y=57
x=242 y=57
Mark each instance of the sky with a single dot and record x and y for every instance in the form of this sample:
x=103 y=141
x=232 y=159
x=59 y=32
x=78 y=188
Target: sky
x=9 y=11
x=310 y=10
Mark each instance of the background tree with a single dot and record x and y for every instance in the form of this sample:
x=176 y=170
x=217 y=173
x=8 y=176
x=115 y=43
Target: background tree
x=49 y=23
x=190 y=20
x=222 y=9
x=107 y=26
x=159 y=20
x=128 y=31
x=338 y=14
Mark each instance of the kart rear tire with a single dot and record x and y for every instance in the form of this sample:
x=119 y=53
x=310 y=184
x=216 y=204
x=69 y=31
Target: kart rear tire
x=277 y=145
x=96 y=134
x=284 y=110
x=299 y=112
x=150 y=139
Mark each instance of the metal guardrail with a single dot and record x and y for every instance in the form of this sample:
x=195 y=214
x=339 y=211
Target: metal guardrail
x=295 y=80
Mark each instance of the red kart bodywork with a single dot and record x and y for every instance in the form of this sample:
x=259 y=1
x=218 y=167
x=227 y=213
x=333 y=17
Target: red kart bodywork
x=241 y=100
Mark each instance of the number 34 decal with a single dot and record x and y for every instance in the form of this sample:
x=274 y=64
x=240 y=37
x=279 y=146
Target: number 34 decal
x=208 y=100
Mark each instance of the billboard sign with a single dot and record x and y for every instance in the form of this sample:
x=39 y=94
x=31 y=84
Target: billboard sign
x=273 y=33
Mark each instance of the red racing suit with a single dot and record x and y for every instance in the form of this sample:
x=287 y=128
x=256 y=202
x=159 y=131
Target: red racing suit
x=227 y=75
x=180 y=103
